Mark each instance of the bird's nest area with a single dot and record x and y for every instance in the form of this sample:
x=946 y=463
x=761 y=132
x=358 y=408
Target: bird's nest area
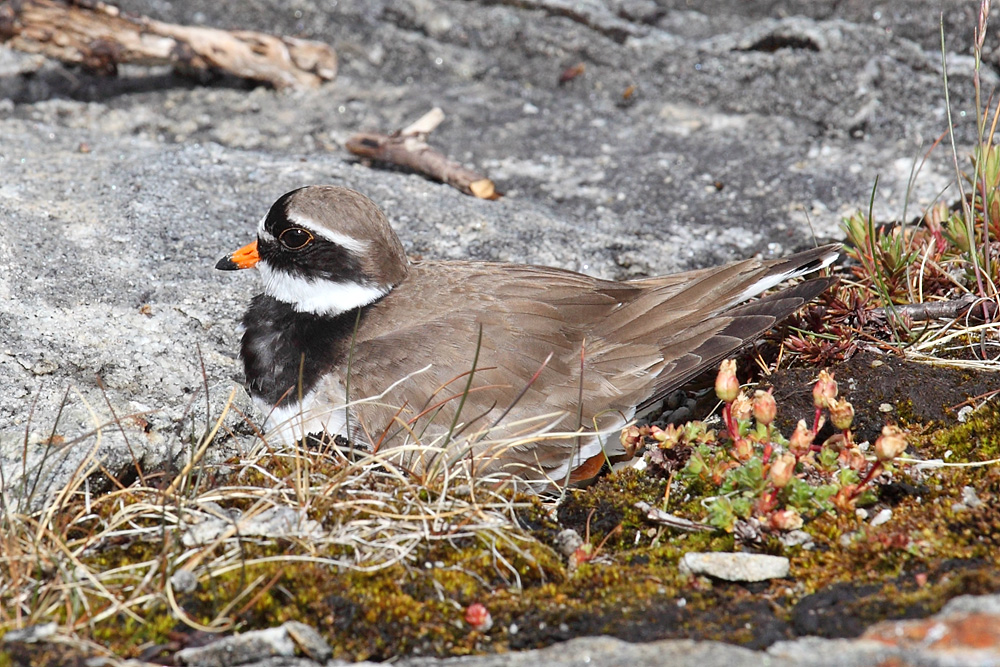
x=385 y=562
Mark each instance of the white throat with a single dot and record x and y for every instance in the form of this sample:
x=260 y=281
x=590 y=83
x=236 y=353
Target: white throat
x=317 y=296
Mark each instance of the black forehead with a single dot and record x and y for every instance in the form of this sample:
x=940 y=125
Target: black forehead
x=277 y=217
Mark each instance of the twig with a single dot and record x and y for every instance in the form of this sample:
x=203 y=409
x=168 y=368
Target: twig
x=99 y=37
x=931 y=310
x=408 y=148
x=972 y=400
x=662 y=518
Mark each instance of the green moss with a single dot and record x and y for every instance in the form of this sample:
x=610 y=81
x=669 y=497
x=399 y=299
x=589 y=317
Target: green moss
x=609 y=503
x=630 y=588
x=977 y=439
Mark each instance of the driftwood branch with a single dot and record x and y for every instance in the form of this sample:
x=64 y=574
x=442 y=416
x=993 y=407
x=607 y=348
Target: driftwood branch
x=408 y=148
x=100 y=37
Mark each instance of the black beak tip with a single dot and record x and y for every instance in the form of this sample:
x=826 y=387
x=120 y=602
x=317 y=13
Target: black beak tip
x=226 y=264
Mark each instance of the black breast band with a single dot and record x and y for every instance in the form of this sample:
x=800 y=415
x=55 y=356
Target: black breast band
x=278 y=341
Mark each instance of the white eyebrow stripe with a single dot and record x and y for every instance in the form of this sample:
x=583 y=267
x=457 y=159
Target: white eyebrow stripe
x=262 y=233
x=349 y=243
x=317 y=296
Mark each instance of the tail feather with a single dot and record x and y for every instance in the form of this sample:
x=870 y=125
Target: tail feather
x=741 y=326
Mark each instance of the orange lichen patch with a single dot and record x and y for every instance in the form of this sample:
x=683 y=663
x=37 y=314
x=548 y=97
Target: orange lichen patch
x=968 y=631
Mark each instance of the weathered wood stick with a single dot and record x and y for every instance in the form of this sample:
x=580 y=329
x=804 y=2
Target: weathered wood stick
x=100 y=38
x=933 y=310
x=656 y=515
x=408 y=148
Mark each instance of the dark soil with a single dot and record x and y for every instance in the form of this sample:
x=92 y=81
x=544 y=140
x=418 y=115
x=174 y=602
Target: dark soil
x=918 y=393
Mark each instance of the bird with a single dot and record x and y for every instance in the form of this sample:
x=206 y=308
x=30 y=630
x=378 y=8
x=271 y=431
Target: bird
x=529 y=372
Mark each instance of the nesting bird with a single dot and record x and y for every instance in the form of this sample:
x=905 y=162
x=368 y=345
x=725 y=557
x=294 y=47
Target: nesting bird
x=537 y=368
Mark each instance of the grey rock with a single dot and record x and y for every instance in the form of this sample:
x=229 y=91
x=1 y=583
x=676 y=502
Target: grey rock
x=832 y=652
x=963 y=414
x=674 y=400
x=239 y=649
x=735 y=566
x=275 y=522
x=681 y=415
x=594 y=14
x=286 y=661
x=306 y=662
x=970 y=498
x=568 y=541
x=309 y=641
x=883 y=516
x=797 y=538
x=184 y=581
x=610 y=652
x=32 y=634
x=972 y=604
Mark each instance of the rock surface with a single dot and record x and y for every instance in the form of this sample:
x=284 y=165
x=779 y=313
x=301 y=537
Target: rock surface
x=280 y=642
x=735 y=566
x=694 y=135
x=964 y=634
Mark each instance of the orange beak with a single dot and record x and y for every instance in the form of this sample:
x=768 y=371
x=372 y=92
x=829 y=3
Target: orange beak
x=244 y=258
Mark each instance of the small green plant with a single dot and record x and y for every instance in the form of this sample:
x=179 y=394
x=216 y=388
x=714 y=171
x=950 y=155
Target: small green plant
x=752 y=473
x=926 y=288
x=884 y=256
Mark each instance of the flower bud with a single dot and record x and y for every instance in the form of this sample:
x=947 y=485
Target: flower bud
x=742 y=408
x=764 y=407
x=782 y=470
x=801 y=441
x=727 y=387
x=631 y=438
x=853 y=459
x=841 y=414
x=825 y=390
x=742 y=449
x=478 y=617
x=890 y=444
x=785 y=520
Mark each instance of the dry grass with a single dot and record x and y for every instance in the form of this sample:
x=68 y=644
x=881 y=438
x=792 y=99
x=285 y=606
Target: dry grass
x=349 y=511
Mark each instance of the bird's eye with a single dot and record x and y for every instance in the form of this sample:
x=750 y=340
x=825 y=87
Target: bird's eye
x=295 y=238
